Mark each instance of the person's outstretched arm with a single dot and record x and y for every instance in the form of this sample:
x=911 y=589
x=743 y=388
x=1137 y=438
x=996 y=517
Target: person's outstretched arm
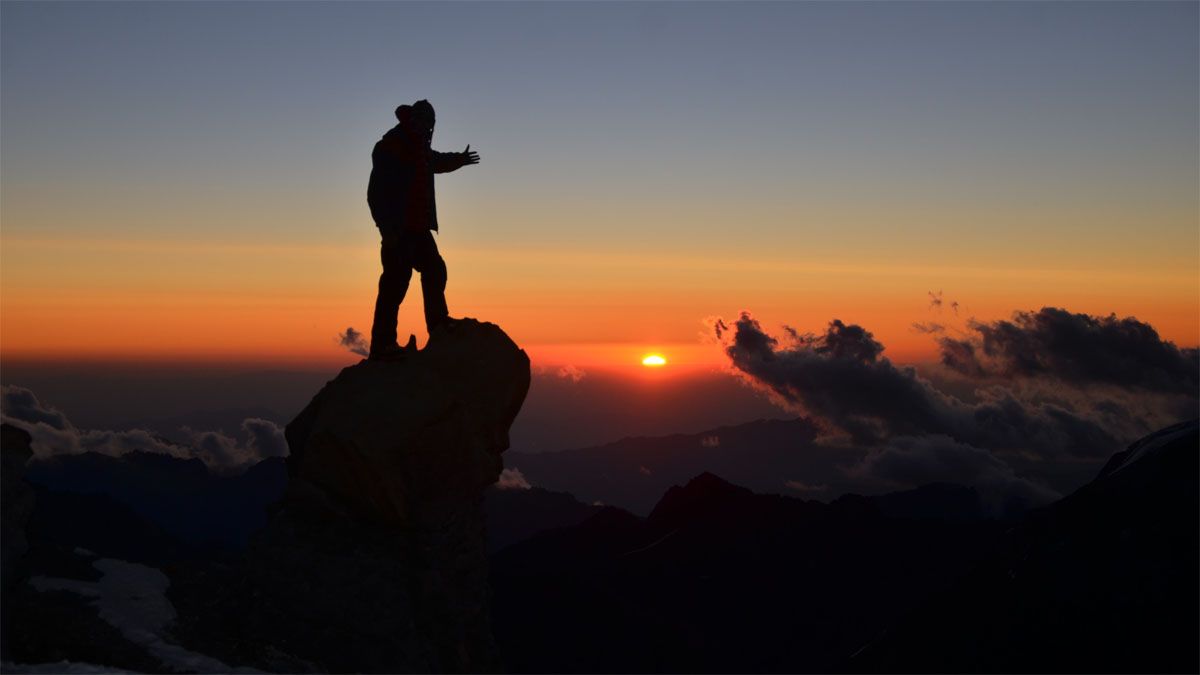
x=445 y=162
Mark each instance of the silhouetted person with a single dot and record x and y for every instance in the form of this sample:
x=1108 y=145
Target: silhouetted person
x=402 y=203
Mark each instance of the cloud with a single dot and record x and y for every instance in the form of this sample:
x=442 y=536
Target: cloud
x=512 y=479
x=569 y=372
x=960 y=356
x=20 y=403
x=264 y=439
x=907 y=462
x=54 y=434
x=935 y=300
x=800 y=486
x=841 y=379
x=929 y=328
x=71 y=441
x=354 y=341
x=1078 y=349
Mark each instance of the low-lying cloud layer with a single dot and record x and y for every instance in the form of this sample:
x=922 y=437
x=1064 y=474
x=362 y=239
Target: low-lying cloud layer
x=842 y=379
x=909 y=461
x=54 y=434
x=916 y=433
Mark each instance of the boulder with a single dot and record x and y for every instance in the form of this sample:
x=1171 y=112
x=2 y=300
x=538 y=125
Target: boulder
x=375 y=560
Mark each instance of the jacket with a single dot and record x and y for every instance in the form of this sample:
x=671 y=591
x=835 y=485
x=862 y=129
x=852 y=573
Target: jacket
x=400 y=192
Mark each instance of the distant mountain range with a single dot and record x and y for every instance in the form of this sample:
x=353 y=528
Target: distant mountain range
x=719 y=579
x=179 y=500
x=633 y=473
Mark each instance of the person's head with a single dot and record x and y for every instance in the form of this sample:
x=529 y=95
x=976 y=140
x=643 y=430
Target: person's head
x=422 y=115
x=423 y=120
x=404 y=114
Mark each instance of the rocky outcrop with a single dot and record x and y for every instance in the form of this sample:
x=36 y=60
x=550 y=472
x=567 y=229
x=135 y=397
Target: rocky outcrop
x=375 y=560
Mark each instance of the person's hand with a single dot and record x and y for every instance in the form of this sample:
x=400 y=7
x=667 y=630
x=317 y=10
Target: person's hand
x=470 y=157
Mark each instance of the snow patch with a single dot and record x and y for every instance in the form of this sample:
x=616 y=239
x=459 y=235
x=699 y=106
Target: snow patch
x=132 y=598
x=1155 y=442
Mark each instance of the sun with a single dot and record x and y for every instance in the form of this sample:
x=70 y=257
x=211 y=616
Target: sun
x=654 y=361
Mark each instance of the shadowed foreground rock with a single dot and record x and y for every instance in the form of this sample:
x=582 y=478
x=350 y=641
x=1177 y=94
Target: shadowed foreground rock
x=15 y=451
x=375 y=560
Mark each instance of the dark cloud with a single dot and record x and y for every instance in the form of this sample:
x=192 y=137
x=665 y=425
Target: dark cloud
x=214 y=448
x=20 y=404
x=935 y=300
x=907 y=462
x=842 y=379
x=959 y=355
x=929 y=328
x=50 y=441
x=54 y=434
x=354 y=341
x=1078 y=349
x=265 y=438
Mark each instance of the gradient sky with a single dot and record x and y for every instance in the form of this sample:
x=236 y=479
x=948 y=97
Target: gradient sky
x=188 y=180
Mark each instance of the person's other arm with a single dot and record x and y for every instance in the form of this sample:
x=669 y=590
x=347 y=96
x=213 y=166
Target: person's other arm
x=445 y=162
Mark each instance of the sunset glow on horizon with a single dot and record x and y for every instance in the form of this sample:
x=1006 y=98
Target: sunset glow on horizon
x=195 y=212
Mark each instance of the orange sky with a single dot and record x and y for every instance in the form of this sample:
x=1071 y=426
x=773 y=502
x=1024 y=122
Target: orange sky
x=285 y=304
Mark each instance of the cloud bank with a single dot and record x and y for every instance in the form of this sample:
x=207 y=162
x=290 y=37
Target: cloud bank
x=54 y=434
x=841 y=378
x=1077 y=349
x=915 y=433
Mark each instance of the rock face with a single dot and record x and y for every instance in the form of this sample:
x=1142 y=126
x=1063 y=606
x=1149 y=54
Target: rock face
x=375 y=560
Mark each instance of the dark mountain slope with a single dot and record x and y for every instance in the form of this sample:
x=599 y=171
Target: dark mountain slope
x=633 y=473
x=719 y=579
x=515 y=515
x=1104 y=580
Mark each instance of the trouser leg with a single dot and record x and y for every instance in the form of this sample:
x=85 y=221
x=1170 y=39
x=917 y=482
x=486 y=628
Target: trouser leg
x=432 y=267
x=393 y=285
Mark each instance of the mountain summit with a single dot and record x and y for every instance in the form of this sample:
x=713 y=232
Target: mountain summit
x=375 y=560
x=385 y=437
